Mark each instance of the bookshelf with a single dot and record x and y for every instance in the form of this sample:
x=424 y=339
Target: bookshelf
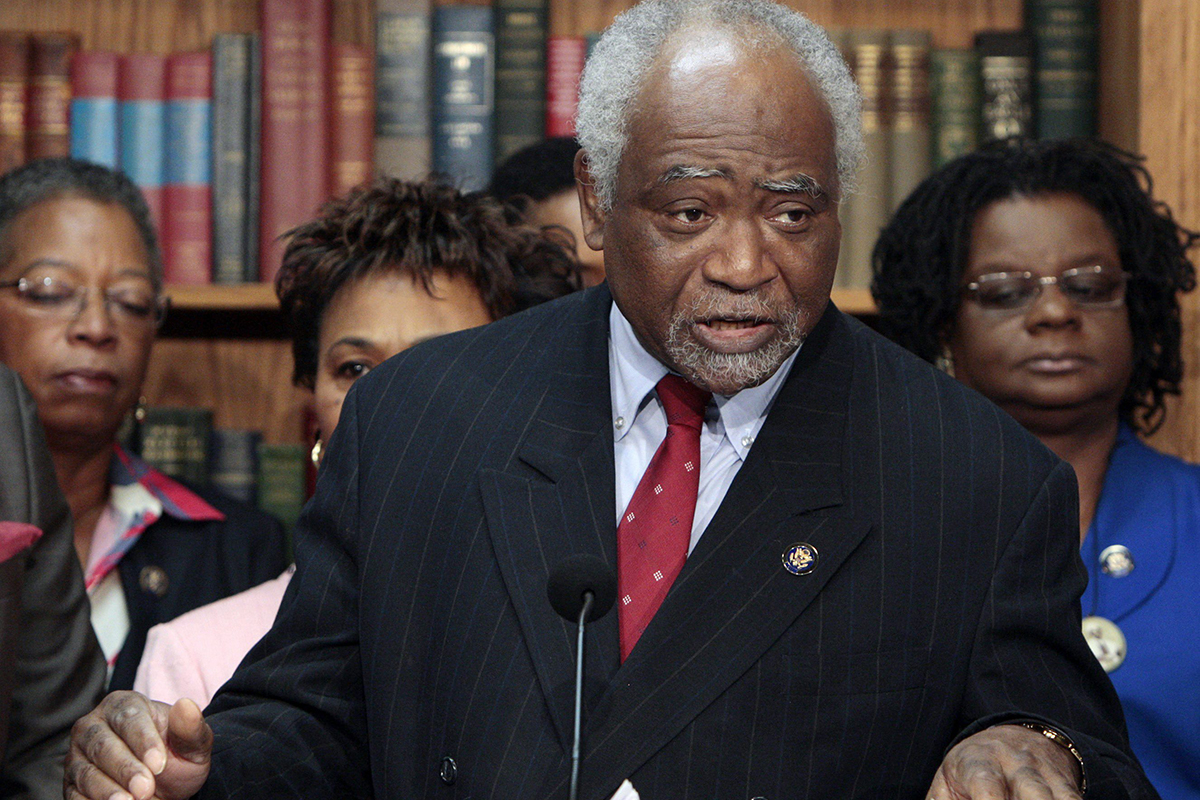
x=224 y=345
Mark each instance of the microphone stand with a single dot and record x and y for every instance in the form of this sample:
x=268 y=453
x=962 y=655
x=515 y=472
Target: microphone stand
x=588 y=598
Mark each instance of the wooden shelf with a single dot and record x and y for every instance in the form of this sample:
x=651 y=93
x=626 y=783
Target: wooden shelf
x=245 y=297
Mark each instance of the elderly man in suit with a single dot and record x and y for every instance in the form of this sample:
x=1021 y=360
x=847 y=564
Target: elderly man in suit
x=840 y=574
x=51 y=670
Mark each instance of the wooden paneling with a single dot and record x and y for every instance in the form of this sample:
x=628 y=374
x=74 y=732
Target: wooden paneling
x=247 y=383
x=1169 y=136
x=164 y=26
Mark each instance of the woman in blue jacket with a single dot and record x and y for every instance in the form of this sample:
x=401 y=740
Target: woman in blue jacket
x=1045 y=276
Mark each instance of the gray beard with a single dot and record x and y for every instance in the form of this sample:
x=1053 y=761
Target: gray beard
x=728 y=373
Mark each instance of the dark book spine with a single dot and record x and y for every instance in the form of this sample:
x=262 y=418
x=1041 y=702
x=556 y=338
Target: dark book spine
x=281 y=481
x=94 y=107
x=295 y=129
x=869 y=211
x=253 y=160
x=463 y=94
x=351 y=118
x=1066 y=33
x=187 y=196
x=14 y=78
x=231 y=157
x=1006 y=70
x=955 y=103
x=565 y=56
x=48 y=114
x=402 y=140
x=233 y=462
x=141 y=126
x=520 y=74
x=910 y=152
x=175 y=441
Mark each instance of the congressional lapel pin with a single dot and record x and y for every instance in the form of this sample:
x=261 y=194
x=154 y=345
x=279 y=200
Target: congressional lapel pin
x=800 y=558
x=1116 y=561
x=1106 y=640
x=154 y=580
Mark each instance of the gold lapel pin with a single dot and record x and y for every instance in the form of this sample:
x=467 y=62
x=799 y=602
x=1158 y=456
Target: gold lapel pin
x=800 y=558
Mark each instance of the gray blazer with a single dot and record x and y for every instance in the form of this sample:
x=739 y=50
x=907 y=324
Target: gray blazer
x=51 y=670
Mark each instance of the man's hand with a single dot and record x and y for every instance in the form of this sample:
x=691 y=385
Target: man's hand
x=133 y=747
x=1007 y=762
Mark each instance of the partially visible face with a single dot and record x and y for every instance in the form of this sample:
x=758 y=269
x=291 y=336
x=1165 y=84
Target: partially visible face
x=85 y=371
x=374 y=318
x=1054 y=364
x=562 y=209
x=716 y=250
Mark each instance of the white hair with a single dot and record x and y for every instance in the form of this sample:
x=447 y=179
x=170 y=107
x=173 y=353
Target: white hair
x=617 y=68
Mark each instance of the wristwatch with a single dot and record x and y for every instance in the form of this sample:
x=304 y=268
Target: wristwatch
x=1060 y=739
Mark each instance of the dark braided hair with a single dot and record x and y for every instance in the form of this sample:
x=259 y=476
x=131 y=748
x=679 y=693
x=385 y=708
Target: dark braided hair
x=921 y=255
x=416 y=228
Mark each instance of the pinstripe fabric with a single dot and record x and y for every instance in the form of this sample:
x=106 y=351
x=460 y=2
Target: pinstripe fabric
x=944 y=600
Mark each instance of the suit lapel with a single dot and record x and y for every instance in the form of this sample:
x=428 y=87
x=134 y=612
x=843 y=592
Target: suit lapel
x=733 y=598
x=556 y=500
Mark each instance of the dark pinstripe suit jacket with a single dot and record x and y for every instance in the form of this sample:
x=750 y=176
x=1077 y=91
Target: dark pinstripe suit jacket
x=417 y=628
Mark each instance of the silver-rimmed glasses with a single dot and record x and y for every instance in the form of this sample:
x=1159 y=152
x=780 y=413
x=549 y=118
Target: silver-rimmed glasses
x=1086 y=287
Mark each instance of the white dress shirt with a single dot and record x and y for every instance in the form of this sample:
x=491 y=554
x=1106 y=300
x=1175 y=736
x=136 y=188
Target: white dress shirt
x=640 y=424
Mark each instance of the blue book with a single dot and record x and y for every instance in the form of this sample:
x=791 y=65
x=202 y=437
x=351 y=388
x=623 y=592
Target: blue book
x=463 y=93
x=94 y=108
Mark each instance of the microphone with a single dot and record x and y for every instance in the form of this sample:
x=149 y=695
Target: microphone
x=581 y=589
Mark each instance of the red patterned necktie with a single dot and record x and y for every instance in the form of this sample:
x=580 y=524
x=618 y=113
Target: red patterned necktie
x=653 y=536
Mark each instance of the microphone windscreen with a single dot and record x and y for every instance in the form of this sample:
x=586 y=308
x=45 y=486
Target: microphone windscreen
x=575 y=575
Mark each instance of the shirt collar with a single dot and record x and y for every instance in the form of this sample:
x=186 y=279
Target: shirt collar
x=176 y=499
x=634 y=373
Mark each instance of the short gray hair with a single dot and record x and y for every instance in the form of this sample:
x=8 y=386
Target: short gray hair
x=617 y=68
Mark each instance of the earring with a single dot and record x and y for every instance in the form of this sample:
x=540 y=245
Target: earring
x=318 y=450
x=945 y=362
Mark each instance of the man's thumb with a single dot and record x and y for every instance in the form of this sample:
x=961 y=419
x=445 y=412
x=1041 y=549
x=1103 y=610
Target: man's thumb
x=188 y=735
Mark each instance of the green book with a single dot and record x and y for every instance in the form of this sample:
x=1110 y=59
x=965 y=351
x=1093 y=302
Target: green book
x=955 y=99
x=175 y=440
x=1066 y=33
x=520 y=75
x=910 y=150
x=402 y=88
x=283 y=482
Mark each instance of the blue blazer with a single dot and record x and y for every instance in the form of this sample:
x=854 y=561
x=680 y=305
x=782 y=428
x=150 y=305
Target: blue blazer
x=1150 y=503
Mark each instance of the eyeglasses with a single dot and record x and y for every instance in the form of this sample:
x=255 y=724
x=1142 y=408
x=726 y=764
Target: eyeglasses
x=65 y=299
x=1085 y=287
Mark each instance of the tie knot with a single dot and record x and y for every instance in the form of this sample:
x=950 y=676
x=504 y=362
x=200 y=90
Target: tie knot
x=683 y=402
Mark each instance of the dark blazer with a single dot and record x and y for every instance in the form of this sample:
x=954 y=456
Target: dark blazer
x=51 y=670
x=202 y=561
x=416 y=654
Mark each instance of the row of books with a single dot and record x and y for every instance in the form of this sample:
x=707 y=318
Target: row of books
x=923 y=106
x=181 y=442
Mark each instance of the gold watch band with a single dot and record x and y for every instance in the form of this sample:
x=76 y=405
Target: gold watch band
x=1063 y=741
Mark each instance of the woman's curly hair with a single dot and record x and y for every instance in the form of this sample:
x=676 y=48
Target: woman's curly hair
x=416 y=228
x=920 y=257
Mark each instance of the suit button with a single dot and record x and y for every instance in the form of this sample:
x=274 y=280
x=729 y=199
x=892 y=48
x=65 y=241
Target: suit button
x=449 y=771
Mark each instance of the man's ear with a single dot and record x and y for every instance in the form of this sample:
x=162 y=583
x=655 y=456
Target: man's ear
x=594 y=217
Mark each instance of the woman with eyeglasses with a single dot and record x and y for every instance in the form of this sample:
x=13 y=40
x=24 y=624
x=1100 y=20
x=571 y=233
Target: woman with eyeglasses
x=1045 y=276
x=80 y=302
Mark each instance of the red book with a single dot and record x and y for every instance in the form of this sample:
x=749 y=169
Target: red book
x=351 y=117
x=295 y=130
x=48 y=114
x=14 y=70
x=187 y=196
x=564 y=66
x=141 y=114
